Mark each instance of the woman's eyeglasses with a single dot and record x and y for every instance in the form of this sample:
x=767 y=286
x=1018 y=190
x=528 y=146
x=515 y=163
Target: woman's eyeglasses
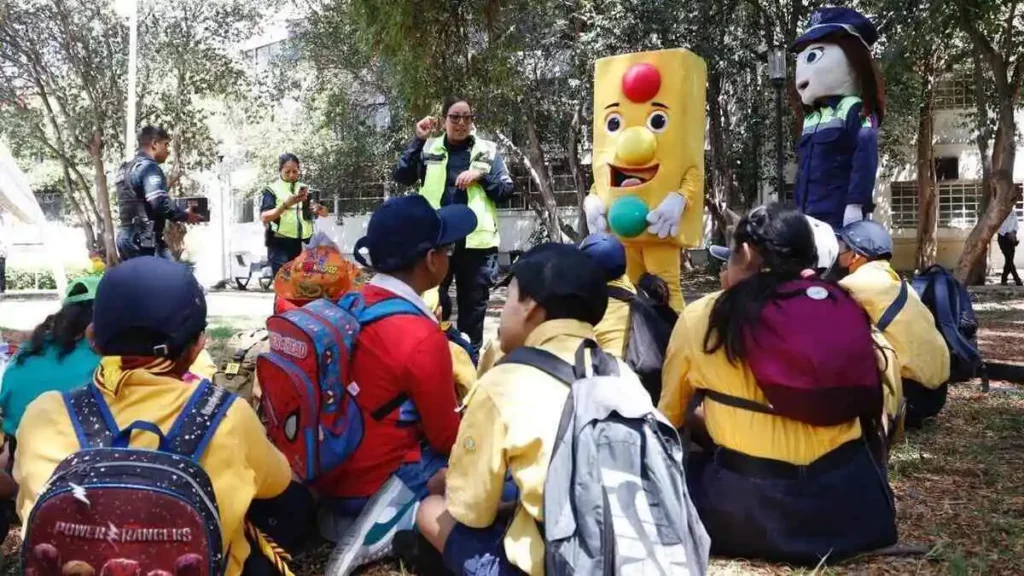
x=460 y=118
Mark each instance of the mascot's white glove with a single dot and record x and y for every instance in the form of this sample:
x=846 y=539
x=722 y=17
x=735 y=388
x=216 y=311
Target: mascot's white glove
x=853 y=213
x=664 y=220
x=595 y=211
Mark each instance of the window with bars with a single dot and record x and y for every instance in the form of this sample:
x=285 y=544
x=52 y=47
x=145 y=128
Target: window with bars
x=903 y=205
x=953 y=94
x=958 y=204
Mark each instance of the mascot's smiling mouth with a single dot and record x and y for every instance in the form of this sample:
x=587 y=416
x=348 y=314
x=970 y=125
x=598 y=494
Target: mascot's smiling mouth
x=629 y=177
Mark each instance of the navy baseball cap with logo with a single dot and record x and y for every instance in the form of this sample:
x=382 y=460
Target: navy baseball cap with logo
x=827 y=21
x=561 y=276
x=868 y=238
x=607 y=252
x=404 y=229
x=149 y=307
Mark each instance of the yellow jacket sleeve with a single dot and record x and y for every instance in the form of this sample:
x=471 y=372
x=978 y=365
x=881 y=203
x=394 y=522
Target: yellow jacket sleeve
x=463 y=370
x=273 y=474
x=675 y=386
x=476 y=469
x=45 y=438
x=204 y=366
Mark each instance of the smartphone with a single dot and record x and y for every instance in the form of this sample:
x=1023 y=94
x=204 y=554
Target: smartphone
x=304 y=189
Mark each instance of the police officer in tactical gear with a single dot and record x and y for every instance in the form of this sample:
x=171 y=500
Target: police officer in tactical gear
x=142 y=199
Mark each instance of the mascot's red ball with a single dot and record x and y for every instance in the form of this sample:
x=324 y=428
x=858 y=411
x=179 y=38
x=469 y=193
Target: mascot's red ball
x=641 y=82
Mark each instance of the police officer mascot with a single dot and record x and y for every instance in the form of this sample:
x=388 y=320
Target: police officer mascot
x=142 y=199
x=844 y=98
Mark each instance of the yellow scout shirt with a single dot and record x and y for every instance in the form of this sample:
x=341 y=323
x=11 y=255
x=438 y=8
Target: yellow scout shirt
x=687 y=368
x=510 y=425
x=241 y=462
x=922 y=353
x=612 y=330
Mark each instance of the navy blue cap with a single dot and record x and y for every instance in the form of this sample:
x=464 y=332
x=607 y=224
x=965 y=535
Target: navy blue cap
x=561 y=277
x=720 y=253
x=827 y=21
x=404 y=229
x=148 y=306
x=867 y=238
x=607 y=252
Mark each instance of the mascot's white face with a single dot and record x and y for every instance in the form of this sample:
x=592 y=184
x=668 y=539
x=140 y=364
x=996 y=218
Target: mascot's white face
x=823 y=70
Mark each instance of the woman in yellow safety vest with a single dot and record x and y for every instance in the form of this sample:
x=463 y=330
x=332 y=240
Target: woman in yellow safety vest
x=287 y=211
x=459 y=167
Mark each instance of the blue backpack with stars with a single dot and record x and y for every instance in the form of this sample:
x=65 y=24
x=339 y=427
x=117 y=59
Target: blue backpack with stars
x=110 y=508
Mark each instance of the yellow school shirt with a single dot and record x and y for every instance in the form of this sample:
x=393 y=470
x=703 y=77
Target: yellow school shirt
x=611 y=331
x=687 y=368
x=241 y=462
x=510 y=425
x=919 y=346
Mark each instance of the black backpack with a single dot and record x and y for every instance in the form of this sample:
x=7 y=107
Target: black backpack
x=950 y=304
x=647 y=336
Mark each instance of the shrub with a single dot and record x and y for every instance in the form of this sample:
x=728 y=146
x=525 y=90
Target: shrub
x=38 y=278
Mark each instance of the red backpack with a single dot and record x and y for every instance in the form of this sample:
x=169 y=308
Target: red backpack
x=309 y=399
x=813 y=356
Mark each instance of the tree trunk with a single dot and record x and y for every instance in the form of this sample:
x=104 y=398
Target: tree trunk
x=1002 y=189
x=539 y=208
x=579 y=183
x=174 y=232
x=927 y=195
x=103 y=196
x=721 y=175
x=83 y=218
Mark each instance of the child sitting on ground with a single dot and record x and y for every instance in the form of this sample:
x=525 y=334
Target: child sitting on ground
x=149 y=326
x=512 y=418
x=769 y=484
x=908 y=325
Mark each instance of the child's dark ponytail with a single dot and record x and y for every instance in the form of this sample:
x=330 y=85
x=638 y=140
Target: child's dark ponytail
x=783 y=239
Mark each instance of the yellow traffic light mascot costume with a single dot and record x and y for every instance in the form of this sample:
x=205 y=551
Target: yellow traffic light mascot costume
x=844 y=98
x=649 y=159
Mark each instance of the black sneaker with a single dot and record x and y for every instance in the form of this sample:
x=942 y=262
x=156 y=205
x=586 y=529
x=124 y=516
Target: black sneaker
x=417 y=555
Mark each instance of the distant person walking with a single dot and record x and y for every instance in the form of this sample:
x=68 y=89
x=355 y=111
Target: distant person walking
x=1008 y=246
x=287 y=211
x=458 y=167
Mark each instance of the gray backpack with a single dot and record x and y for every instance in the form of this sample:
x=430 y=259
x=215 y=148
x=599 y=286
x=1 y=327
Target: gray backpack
x=615 y=498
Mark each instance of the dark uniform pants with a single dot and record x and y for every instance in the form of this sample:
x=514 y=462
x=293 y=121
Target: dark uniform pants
x=132 y=243
x=281 y=251
x=1008 y=246
x=474 y=271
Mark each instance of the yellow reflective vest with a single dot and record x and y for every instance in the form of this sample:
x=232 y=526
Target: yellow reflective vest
x=435 y=159
x=292 y=223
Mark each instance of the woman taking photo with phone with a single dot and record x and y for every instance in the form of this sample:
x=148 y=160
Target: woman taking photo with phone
x=458 y=167
x=287 y=210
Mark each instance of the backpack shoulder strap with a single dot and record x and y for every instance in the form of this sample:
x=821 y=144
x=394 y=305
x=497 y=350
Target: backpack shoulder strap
x=737 y=402
x=91 y=419
x=194 y=428
x=894 y=309
x=544 y=361
x=387 y=308
x=621 y=294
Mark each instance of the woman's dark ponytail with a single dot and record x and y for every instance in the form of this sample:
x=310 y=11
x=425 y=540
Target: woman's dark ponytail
x=783 y=239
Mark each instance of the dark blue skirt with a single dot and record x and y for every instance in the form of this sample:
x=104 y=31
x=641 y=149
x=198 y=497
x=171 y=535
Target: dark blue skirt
x=838 y=506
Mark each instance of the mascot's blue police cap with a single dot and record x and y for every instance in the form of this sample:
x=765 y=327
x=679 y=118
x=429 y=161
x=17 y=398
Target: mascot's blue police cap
x=827 y=21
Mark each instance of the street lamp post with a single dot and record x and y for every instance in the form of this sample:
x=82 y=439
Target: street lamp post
x=130 y=9
x=777 y=75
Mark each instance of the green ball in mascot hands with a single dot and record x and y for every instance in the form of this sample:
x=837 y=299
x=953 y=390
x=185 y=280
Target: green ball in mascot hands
x=628 y=217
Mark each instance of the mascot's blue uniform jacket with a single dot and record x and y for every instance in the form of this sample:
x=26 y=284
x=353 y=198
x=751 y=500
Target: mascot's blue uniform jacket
x=837 y=160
